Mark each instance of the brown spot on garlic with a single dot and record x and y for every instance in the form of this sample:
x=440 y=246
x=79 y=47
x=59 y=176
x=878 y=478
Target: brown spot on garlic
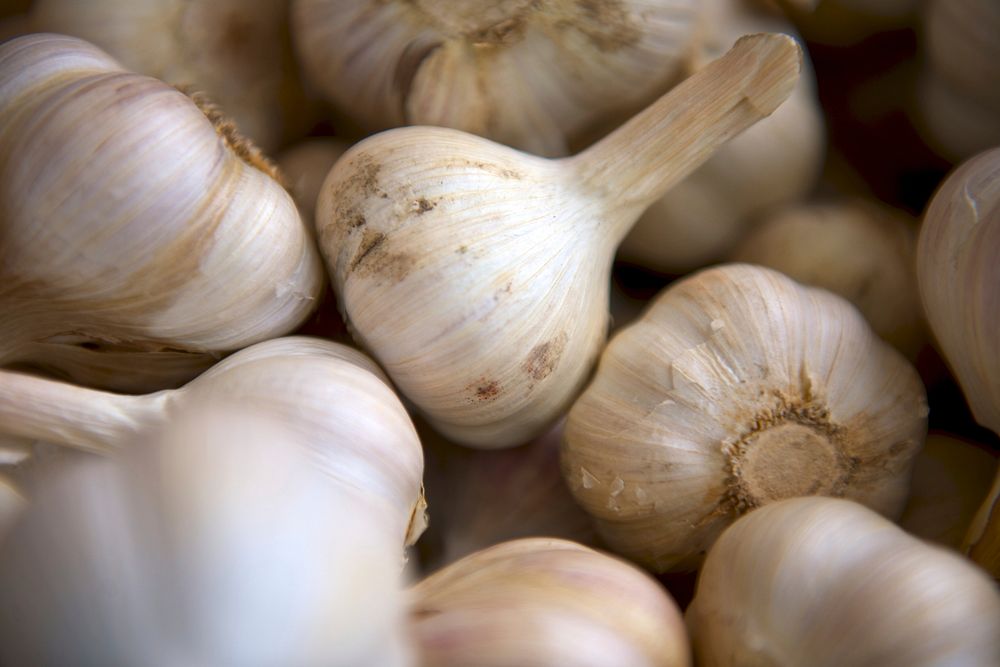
x=486 y=390
x=373 y=260
x=422 y=205
x=543 y=358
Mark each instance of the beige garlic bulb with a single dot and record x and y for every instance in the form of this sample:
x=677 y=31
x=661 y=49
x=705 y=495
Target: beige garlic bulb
x=950 y=479
x=737 y=388
x=237 y=52
x=856 y=249
x=304 y=167
x=823 y=582
x=478 y=275
x=524 y=73
x=336 y=401
x=958 y=268
x=130 y=225
x=215 y=541
x=982 y=540
x=545 y=602
x=775 y=162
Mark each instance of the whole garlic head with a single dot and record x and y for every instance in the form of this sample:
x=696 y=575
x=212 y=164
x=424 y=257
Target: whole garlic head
x=737 y=388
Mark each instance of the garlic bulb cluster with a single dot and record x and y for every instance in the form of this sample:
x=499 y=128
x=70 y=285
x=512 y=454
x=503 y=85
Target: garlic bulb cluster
x=545 y=602
x=337 y=403
x=304 y=166
x=958 y=269
x=737 y=388
x=524 y=73
x=478 y=275
x=856 y=249
x=215 y=541
x=775 y=162
x=237 y=52
x=822 y=582
x=134 y=233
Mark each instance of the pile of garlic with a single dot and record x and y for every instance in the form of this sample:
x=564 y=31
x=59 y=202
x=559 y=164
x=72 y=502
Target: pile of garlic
x=498 y=333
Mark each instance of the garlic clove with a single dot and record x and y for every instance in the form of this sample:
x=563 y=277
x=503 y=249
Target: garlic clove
x=338 y=402
x=823 y=582
x=545 y=602
x=187 y=246
x=982 y=540
x=737 y=388
x=478 y=275
x=958 y=269
x=214 y=541
x=304 y=166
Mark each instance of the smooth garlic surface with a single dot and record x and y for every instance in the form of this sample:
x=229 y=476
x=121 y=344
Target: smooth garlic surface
x=737 y=388
x=524 y=73
x=854 y=248
x=478 y=275
x=130 y=225
x=335 y=400
x=214 y=541
x=958 y=269
x=545 y=602
x=823 y=582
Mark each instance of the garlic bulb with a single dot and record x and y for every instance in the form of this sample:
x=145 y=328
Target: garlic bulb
x=822 y=582
x=304 y=166
x=982 y=541
x=162 y=234
x=478 y=275
x=853 y=248
x=950 y=479
x=523 y=73
x=775 y=162
x=217 y=542
x=738 y=387
x=238 y=53
x=542 y=602
x=958 y=267
x=336 y=401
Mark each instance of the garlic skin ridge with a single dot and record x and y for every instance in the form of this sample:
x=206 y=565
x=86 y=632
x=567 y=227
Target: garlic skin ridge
x=738 y=387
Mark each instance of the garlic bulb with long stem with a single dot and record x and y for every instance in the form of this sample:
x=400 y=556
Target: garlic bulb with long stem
x=336 y=401
x=130 y=223
x=737 y=388
x=524 y=73
x=854 y=248
x=958 y=269
x=545 y=602
x=213 y=541
x=823 y=582
x=478 y=275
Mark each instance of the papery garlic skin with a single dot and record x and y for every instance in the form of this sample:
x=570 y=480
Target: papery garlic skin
x=523 y=73
x=335 y=401
x=822 y=582
x=216 y=541
x=161 y=232
x=737 y=388
x=545 y=602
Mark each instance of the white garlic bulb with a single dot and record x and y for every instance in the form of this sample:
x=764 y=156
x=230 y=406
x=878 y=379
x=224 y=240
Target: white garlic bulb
x=523 y=73
x=304 y=167
x=823 y=582
x=545 y=602
x=130 y=224
x=775 y=162
x=737 y=388
x=478 y=275
x=335 y=400
x=854 y=248
x=958 y=269
x=213 y=542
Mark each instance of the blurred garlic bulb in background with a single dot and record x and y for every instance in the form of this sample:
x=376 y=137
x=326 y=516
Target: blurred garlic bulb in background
x=738 y=387
x=958 y=267
x=304 y=167
x=950 y=479
x=237 y=52
x=478 y=275
x=545 y=602
x=213 y=542
x=776 y=161
x=856 y=249
x=524 y=73
x=822 y=582
x=335 y=401
x=131 y=226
